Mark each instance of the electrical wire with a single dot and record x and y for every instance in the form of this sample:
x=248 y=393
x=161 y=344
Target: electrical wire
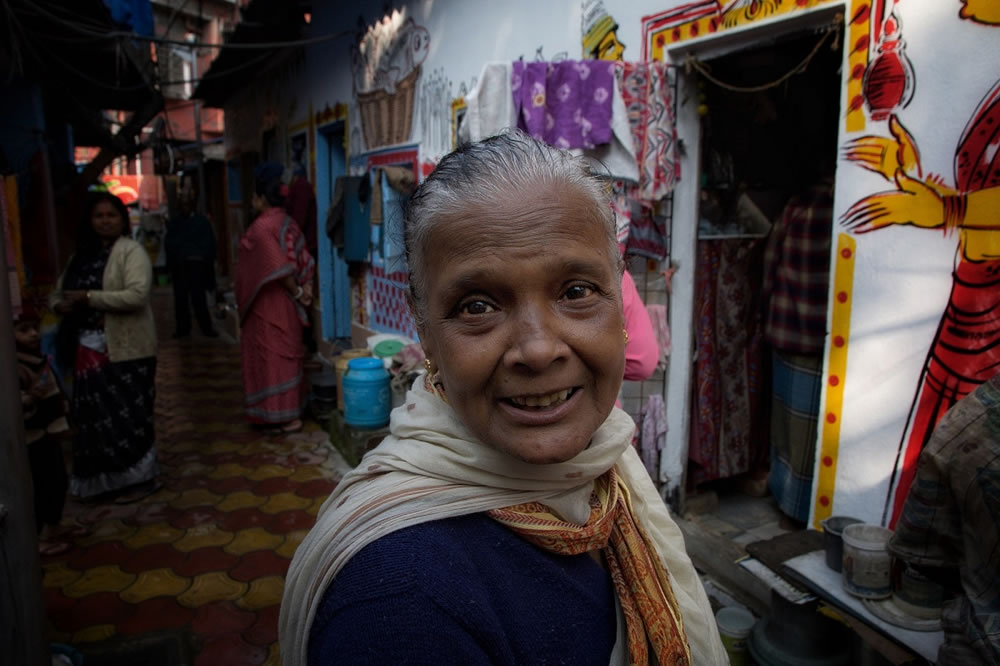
x=693 y=63
x=120 y=34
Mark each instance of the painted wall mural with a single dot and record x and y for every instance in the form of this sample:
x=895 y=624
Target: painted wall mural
x=385 y=66
x=599 y=33
x=959 y=209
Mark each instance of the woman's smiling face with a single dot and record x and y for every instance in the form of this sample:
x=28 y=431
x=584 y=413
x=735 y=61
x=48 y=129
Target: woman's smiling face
x=523 y=319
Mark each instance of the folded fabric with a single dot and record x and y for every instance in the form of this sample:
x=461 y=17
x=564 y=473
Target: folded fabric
x=490 y=106
x=648 y=231
x=654 y=434
x=617 y=159
x=566 y=104
x=661 y=329
x=645 y=88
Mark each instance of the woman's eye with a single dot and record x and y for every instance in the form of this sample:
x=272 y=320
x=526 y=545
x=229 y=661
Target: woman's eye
x=578 y=291
x=476 y=308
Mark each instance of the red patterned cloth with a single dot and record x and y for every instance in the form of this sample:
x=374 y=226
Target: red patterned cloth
x=271 y=321
x=645 y=88
x=726 y=434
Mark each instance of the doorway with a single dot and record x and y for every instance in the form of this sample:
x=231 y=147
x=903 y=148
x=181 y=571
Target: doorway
x=335 y=287
x=769 y=125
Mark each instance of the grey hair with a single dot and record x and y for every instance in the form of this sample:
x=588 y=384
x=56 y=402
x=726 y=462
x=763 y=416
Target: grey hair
x=484 y=173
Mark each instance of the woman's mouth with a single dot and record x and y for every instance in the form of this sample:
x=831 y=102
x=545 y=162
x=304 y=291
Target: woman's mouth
x=544 y=401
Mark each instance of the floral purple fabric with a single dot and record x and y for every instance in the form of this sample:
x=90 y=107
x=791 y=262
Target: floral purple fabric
x=566 y=104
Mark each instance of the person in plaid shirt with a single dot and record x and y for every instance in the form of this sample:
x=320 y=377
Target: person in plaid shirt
x=951 y=522
x=796 y=282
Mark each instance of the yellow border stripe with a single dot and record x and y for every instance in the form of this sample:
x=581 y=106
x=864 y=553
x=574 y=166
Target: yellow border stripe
x=857 y=61
x=840 y=329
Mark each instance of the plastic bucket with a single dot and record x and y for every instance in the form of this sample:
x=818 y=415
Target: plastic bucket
x=833 y=528
x=734 y=628
x=867 y=564
x=367 y=394
x=340 y=367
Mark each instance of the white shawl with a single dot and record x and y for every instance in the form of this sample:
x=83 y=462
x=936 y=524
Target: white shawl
x=431 y=467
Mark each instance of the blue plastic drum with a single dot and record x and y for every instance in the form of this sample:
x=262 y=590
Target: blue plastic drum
x=367 y=394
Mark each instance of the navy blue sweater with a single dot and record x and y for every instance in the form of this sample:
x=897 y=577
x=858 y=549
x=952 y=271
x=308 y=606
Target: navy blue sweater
x=464 y=591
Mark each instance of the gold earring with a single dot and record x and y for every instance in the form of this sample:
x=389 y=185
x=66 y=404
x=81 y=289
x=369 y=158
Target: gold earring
x=625 y=334
x=427 y=364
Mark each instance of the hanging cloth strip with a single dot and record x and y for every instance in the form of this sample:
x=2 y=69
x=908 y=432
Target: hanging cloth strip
x=652 y=616
x=566 y=104
x=646 y=90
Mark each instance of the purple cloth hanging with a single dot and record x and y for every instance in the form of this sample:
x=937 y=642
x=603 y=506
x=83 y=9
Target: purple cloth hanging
x=566 y=104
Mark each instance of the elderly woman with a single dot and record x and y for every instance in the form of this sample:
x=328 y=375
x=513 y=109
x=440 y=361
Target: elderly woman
x=273 y=288
x=506 y=519
x=107 y=335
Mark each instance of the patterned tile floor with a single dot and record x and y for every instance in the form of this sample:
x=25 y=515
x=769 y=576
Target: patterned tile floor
x=209 y=551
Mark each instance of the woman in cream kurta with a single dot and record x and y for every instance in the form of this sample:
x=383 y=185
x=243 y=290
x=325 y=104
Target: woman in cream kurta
x=107 y=335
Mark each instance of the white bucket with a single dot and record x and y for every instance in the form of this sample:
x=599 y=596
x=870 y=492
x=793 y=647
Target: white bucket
x=734 y=626
x=867 y=564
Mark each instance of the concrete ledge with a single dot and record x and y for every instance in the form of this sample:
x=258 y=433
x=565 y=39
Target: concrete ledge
x=716 y=556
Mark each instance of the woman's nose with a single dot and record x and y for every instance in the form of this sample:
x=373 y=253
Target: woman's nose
x=536 y=343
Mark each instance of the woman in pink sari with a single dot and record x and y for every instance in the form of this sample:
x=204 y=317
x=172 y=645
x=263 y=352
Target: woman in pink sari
x=273 y=288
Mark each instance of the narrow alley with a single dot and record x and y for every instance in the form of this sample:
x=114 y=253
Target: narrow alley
x=197 y=568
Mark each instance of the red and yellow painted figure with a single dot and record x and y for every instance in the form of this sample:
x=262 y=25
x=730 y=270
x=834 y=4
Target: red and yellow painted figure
x=966 y=347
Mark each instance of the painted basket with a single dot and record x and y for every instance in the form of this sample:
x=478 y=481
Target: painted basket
x=386 y=119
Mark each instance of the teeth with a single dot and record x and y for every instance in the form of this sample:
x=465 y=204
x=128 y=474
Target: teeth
x=541 y=400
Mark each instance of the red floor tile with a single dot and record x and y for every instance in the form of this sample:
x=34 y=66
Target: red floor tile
x=273 y=486
x=229 y=649
x=288 y=521
x=258 y=564
x=204 y=560
x=232 y=484
x=242 y=519
x=99 y=608
x=193 y=517
x=265 y=630
x=315 y=488
x=222 y=617
x=97 y=555
x=158 y=613
x=155 y=556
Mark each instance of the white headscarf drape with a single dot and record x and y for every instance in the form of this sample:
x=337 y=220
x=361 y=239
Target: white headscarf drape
x=431 y=467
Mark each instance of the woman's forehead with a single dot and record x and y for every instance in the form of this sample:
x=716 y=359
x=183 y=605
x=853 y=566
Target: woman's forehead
x=532 y=217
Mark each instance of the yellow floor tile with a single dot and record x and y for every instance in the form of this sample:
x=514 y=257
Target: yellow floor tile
x=286 y=501
x=196 y=497
x=58 y=574
x=213 y=427
x=225 y=446
x=112 y=530
x=98 y=632
x=291 y=543
x=273 y=655
x=240 y=500
x=263 y=592
x=228 y=470
x=316 y=505
x=202 y=536
x=209 y=587
x=269 y=472
x=155 y=583
x=252 y=539
x=307 y=473
x=108 y=578
x=155 y=533
x=193 y=469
